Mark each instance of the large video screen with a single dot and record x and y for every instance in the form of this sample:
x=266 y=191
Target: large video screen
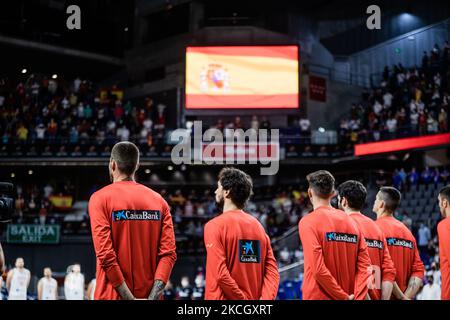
x=245 y=77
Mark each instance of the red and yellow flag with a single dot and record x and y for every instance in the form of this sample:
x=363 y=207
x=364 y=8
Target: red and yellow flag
x=242 y=77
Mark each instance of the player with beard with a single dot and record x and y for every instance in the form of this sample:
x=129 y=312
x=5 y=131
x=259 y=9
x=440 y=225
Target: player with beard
x=132 y=232
x=47 y=286
x=444 y=241
x=351 y=199
x=240 y=264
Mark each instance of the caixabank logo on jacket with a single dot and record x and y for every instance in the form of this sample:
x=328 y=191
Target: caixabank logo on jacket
x=341 y=237
x=373 y=243
x=249 y=251
x=397 y=242
x=124 y=215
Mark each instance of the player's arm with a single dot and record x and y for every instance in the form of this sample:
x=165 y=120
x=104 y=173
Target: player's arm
x=39 y=289
x=414 y=286
x=398 y=293
x=215 y=257
x=388 y=274
x=363 y=270
x=166 y=254
x=415 y=281
x=157 y=290
x=386 y=290
x=124 y=291
x=313 y=253
x=101 y=236
x=89 y=290
x=271 y=275
x=9 y=279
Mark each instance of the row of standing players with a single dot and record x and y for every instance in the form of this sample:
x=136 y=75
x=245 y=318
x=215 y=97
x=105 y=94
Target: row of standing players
x=18 y=280
x=346 y=255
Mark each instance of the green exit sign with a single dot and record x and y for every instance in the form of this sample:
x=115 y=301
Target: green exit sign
x=32 y=233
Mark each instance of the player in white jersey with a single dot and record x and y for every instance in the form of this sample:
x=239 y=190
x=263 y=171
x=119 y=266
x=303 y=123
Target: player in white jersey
x=17 y=281
x=91 y=289
x=74 y=284
x=47 y=286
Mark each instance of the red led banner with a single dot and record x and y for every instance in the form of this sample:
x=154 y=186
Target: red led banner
x=401 y=144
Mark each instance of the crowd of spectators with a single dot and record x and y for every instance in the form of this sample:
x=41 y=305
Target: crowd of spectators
x=277 y=208
x=49 y=116
x=407 y=102
x=403 y=180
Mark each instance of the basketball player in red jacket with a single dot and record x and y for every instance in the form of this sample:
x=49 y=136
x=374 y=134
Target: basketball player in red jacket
x=132 y=232
x=240 y=264
x=336 y=261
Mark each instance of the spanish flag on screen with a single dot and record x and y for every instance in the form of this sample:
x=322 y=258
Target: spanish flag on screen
x=242 y=77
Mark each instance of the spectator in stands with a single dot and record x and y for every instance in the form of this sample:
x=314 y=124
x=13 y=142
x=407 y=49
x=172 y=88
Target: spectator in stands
x=436 y=272
x=380 y=179
x=265 y=123
x=435 y=53
x=444 y=175
x=387 y=99
x=254 y=123
x=407 y=221
x=436 y=176
x=442 y=120
x=396 y=179
x=445 y=51
x=305 y=126
x=403 y=176
x=377 y=108
x=178 y=198
x=284 y=256
x=432 y=124
x=426 y=175
x=22 y=133
x=413 y=177
x=123 y=133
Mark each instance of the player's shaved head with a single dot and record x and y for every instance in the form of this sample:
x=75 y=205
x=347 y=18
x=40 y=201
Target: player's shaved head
x=126 y=155
x=322 y=182
x=391 y=197
x=445 y=193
